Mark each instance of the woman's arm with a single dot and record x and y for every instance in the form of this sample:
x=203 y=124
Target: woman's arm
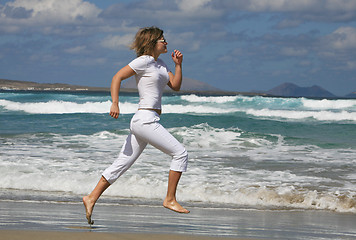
x=175 y=80
x=122 y=74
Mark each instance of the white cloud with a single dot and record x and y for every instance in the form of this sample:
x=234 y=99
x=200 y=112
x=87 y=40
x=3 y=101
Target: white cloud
x=272 y=5
x=339 y=5
x=298 y=10
x=54 y=10
x=21 y=14
x=289 y=23
x=276 y=5
x=44 y=58
x=191 y=12
x=75 y=50
x=337 y=50
x=191 y=5
x=89 y=62
x=305 y=63
x=117 y=42
x=351 y=65
x=294 y=51
x=226 y=59
x=339 y=45
x=294 y=6
x=343 y=38
x=188 y=40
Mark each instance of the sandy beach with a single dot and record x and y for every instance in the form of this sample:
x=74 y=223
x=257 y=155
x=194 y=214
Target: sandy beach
x=60 y=220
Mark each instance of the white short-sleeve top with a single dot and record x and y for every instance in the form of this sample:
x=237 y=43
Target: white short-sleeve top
x=151 y=79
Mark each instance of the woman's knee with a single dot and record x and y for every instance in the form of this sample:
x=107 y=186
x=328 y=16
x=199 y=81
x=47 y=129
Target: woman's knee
x=180 y=161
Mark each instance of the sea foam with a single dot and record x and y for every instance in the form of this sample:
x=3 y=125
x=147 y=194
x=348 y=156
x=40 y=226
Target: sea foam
x=225 y=167
x=64 y=107
x=56 y=107
x=297 y=115
x=236 y=158
x=212 y=99
x=329 y=104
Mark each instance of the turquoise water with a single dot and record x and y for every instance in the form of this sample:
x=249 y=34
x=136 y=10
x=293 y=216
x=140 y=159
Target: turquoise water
x=245 y=152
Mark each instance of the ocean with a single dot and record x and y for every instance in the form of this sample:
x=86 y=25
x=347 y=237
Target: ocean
x=245 y=152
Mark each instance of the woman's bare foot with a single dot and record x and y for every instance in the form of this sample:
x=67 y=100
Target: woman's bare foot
x=174 y=206
x=89 y=205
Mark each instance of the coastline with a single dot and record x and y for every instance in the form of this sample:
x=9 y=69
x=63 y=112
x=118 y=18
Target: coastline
x=14 y=85
x=26 y=86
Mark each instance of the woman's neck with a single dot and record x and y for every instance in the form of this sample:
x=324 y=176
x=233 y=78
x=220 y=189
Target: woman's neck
x=155 y=55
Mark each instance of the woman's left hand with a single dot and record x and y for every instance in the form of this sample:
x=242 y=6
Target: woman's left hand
x=177 y=57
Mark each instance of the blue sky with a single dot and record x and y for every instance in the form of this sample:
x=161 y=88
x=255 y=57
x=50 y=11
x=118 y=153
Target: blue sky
x=238 y=45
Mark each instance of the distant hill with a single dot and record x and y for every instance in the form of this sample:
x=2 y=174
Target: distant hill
x=351 y=95
x=6 y=84
x=292 y=90
x=188 y=85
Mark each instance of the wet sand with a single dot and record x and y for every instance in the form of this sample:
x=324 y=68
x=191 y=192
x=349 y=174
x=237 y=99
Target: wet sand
x=36 y=235
x=62 y=220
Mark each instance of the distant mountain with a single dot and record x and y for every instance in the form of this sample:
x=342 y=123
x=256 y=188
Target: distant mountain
x=292 y=90
x=188 y=84
x=351 y=95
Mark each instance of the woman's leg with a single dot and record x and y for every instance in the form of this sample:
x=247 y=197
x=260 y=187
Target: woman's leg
x=90 y=200
x=171 y=202
x=130 y=151
x=156 y=135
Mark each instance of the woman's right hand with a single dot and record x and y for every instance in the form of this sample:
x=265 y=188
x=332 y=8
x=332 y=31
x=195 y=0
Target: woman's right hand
x=114 y=110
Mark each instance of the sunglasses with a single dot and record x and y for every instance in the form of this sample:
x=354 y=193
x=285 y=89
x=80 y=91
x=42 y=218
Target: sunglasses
x=162 y=40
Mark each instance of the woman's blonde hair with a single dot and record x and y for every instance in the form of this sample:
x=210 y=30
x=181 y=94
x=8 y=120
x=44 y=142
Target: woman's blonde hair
x=145 y=40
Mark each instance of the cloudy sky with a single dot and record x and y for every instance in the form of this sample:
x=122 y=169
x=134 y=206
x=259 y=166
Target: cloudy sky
x=239 y=45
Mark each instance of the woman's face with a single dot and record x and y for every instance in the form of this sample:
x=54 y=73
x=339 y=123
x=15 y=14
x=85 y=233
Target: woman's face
x=161 y=45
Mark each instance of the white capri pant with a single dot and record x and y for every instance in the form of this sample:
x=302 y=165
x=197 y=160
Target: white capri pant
x=145 y=129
